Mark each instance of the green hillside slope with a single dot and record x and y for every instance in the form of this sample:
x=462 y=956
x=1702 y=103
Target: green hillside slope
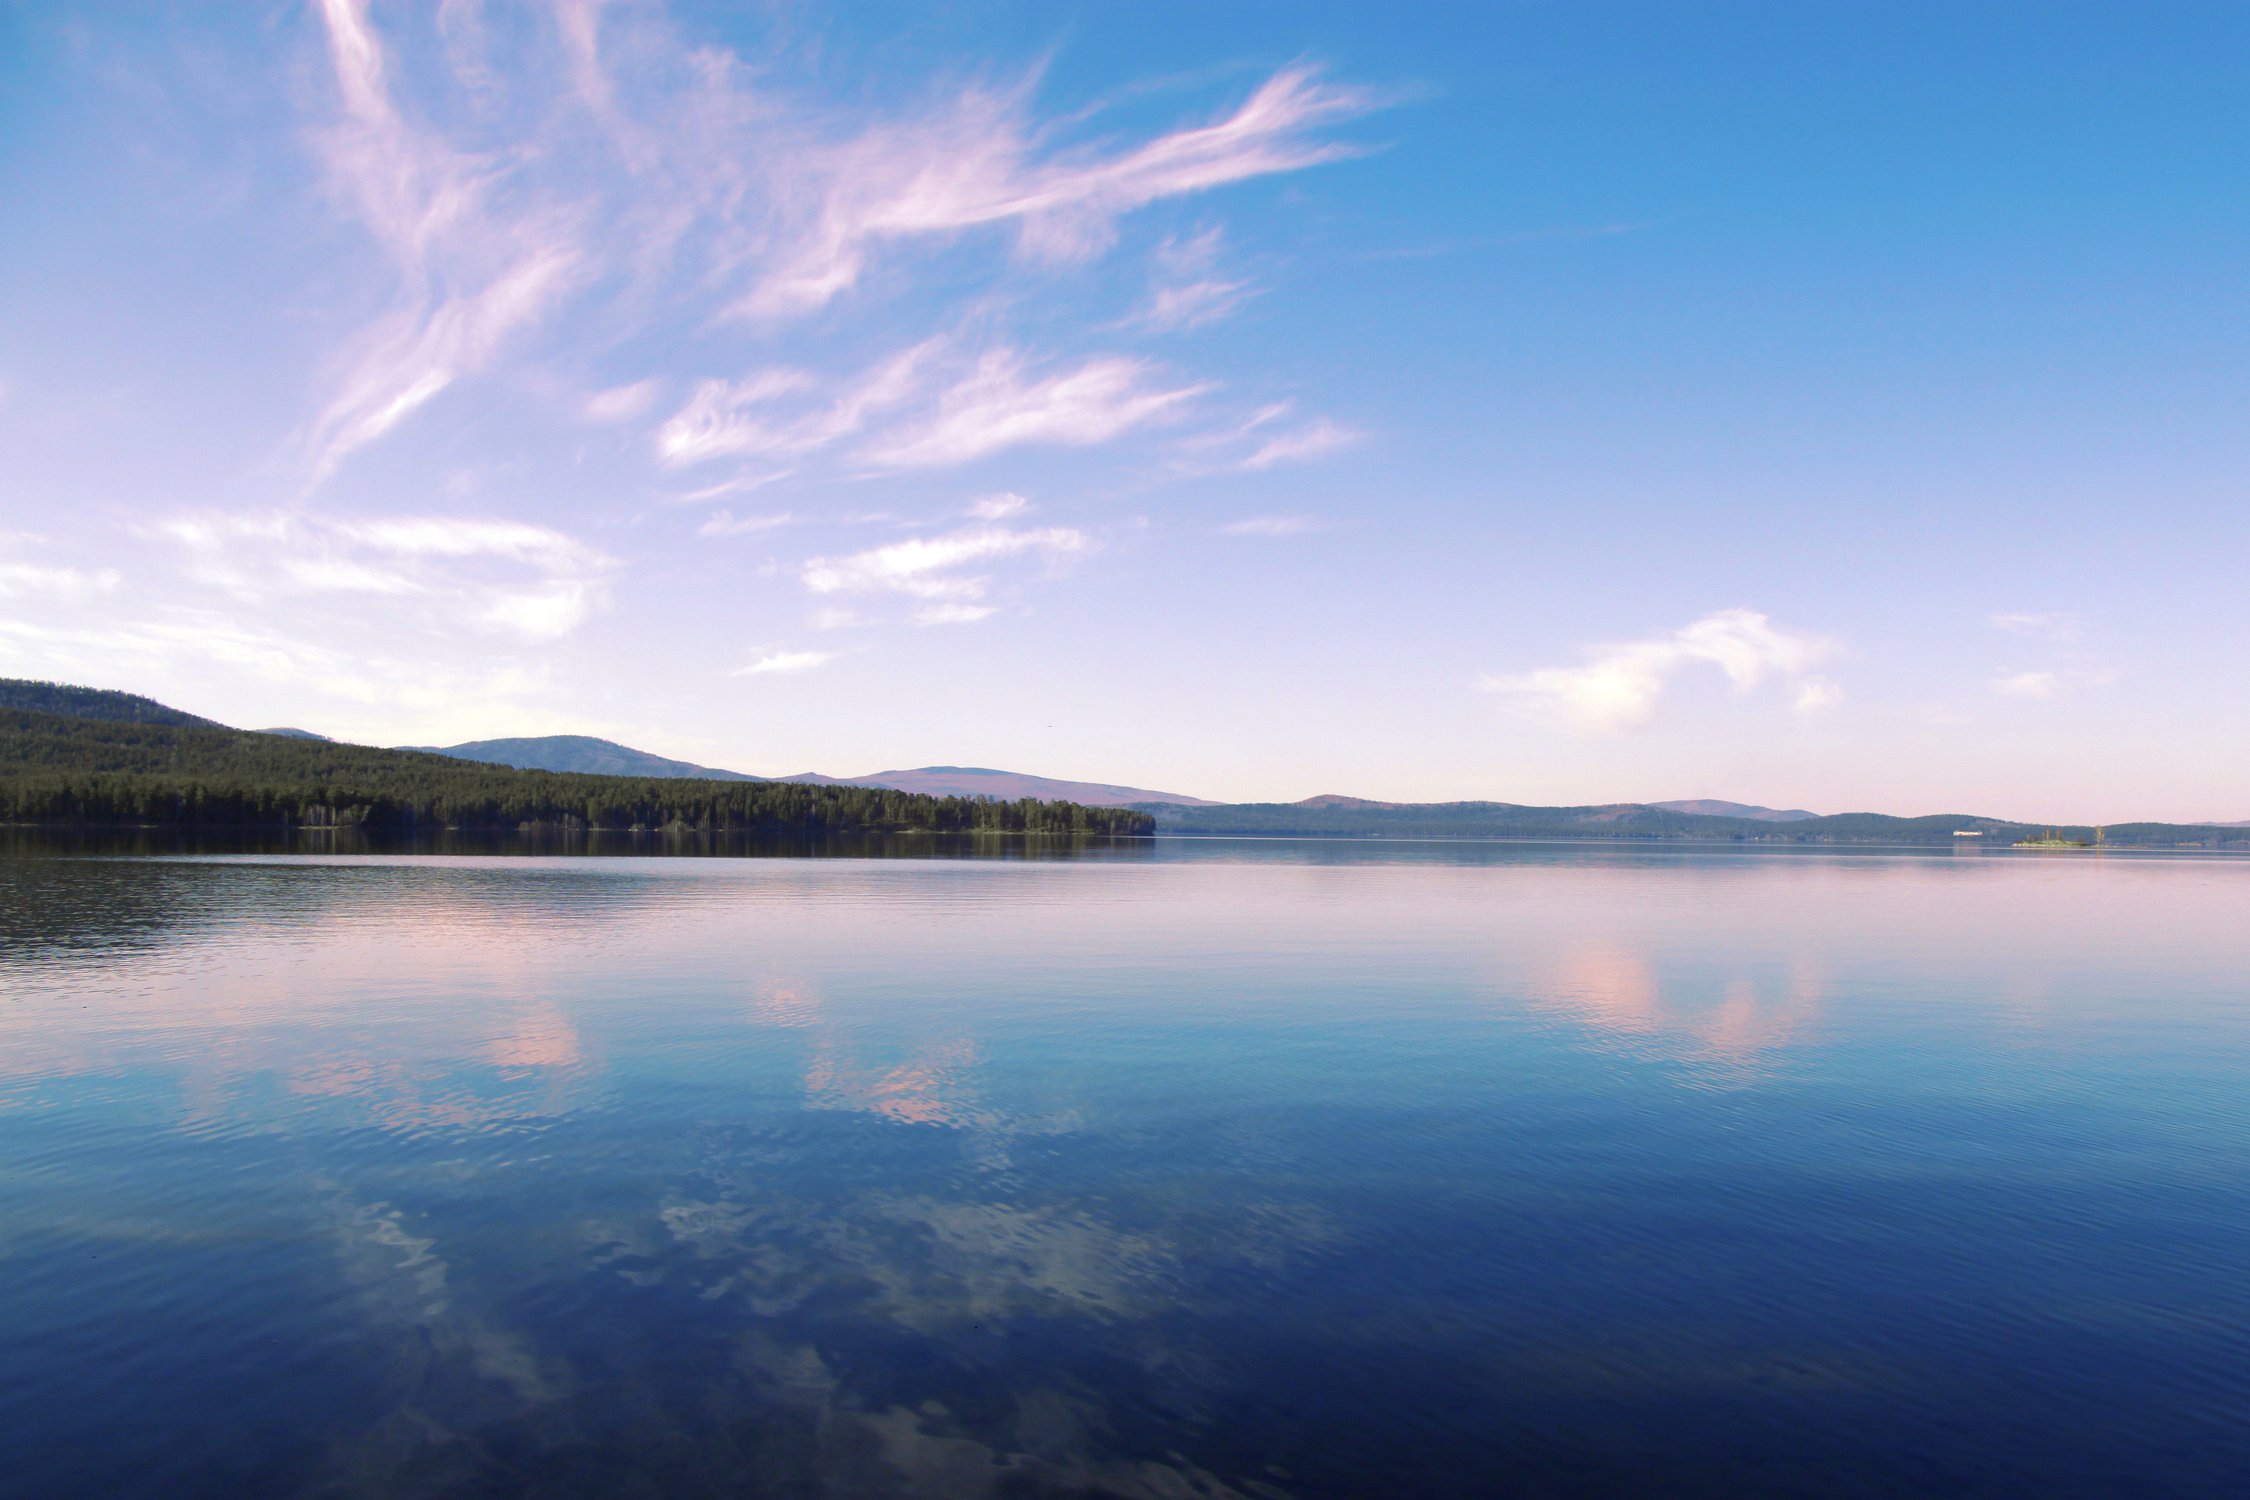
x=91 y=703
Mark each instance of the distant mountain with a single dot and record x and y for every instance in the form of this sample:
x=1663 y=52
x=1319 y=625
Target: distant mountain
x=1352 y=817
x=1009 y=786
x=296 y=734
x=1711 y=807
x=579 y=753
x=92 y=703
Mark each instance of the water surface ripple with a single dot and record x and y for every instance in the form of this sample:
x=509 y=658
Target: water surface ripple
x=1188 y=1169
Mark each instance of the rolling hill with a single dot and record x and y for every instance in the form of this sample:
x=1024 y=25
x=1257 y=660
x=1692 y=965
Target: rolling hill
x=1347 y=817
x=580 y=754
x=1007 y=786
x=92 y=703
x=1712 y=807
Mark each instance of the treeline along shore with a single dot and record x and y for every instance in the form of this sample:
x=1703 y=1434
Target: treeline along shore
x=1341 y=818
x=62 y=770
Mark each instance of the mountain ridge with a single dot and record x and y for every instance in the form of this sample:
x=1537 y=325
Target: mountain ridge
x=1324 y=815
x=580 y=755
x=1009 y=786
x=1713 y=807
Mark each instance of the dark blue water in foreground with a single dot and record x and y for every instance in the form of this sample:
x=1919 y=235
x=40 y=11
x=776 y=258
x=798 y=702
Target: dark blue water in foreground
x=1194 y=1169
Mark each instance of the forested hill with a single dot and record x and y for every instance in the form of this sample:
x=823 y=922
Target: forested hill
x=57 y=768
x=92 y=703
x=1346 y=818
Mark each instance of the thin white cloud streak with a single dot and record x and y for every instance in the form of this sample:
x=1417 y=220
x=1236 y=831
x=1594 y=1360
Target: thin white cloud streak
x=927 y=567
x=544 y=612
x=470 y=276
x=983 y=162
x=1188 y=292
x=998 y=406
x=721 y=183
x=2039 y=685
x=1265 y=439
x=1817 y=693
x=17 y=579
x=1620 y=687
x=2053 y=625
x=953 y=614
x=53 y=581
x=1193 y=304
x=194 y=641
x=1314 y=440
x=727 y=523
x=1269 y=526
x=734 y=418
x=998 y=507
x=622 y=403
x=785 y=662
x=447 y=561
x=935 y=413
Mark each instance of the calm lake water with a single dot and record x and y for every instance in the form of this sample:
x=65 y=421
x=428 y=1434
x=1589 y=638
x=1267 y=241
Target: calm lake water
x=1168 y=1169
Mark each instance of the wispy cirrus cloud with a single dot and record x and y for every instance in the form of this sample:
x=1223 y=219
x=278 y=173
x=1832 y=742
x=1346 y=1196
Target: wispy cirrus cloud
x=1270 y=436
x=1269 y=526
x=932 y=567
x=1300 y=444
x=720 y=184
x=470 y=273
x=527 y=580
x=2028 y=685
x=21 y=578
x=783 y=412
x=2050 y=625
x=622 y=403
x=166 y=645
x=2049 y=684
x=983 y=161
x=727 y=523
x=999 y=507
x=2069 y=667
x=924 y=407
x=1187 y=290
x=1003 y=404
x=1619 y=688
x=772 y=663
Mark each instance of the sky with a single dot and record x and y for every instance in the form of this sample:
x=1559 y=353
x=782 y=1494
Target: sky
x=1832 y=406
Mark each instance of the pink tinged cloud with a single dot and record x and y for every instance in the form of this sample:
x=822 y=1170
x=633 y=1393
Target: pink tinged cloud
x=926 y=567
x=1315 y=439
x=1268 y=526
x=469 y=278
x=981 y=166
x=999 y=407
x=1619 y=688
x=754 y=415
x=784 y=662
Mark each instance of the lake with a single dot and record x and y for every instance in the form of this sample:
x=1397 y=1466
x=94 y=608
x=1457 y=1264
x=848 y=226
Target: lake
x=1165 y=1169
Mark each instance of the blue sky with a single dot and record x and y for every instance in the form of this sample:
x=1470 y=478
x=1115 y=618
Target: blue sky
x=1837 y=406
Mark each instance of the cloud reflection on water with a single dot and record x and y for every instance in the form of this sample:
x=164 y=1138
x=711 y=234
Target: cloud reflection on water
x=1732 y=1026
x=1019 y=1180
